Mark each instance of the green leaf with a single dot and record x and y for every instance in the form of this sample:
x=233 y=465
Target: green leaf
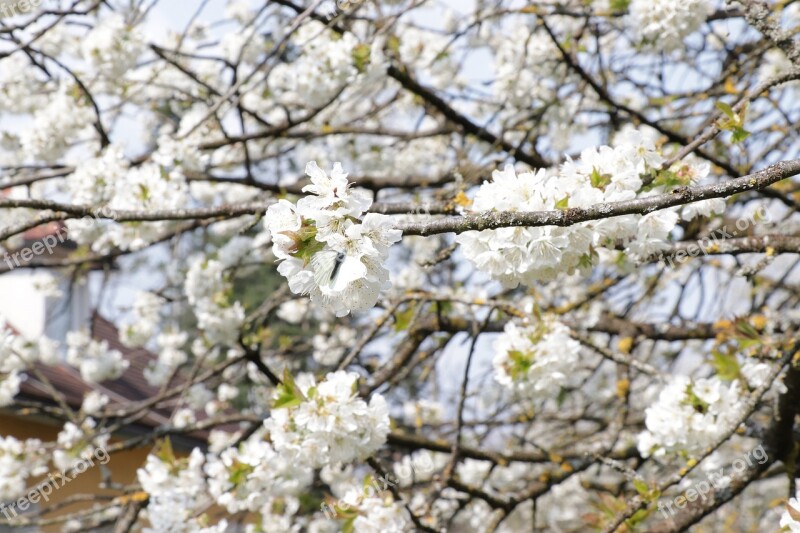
x=285 y=399
x=289 y=393
x=638 y=517
x=725 y=108
x=520 y=363
x=587 y=260
x=619 y=5
x=239 y=472
x=444 y=307
x=563 y=203
x=668 y=179
x=403 y=318
x=726 y=366
x=367 y=481
x=694 y=400
x=362 y=54
x=746 y=344
x=393 y=44
x=164 y=451
x=739 y=134
x=734 y=122
x=348 y=526
x=144 y=192
x=562 y=396
x=642 y=488
x=307 y=248
x=599 y=181
x=744 y=327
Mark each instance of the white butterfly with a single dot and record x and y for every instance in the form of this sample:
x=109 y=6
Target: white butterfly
x=326 y=265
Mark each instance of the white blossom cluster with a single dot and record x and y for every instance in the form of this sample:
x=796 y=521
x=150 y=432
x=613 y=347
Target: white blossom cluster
x=690 y=415
x=326 y=249
x=790 y=520
x=313 y=425
x=16 y=94
x=663 y=24
x=330 y=346
x=9 y=387
x=515 y=255
x=525 y=61
x=112 y=47
x=250 y=477
x=146 y=313
x=323 y=69
x=377 y=514
x=56 y=126
x=423 y=412
x=208 y=288
x=528 y=74
x=95 y=360
x=776 y=63
x=171 y=355
x=95 y=179
x=103 y=59
x=535 y=360
x=427 y=52
x=492 y=479
x=18 y=354
x=107 y=113
x=176 y=490
x=369 y=506
x=108 y=180
x=77 y=443
x=19 y=461
x=326 y=423
x=94 y=402
x=181 y=155
x=10 y=365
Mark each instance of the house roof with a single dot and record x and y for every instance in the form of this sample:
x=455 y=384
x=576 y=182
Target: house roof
x=131 y=387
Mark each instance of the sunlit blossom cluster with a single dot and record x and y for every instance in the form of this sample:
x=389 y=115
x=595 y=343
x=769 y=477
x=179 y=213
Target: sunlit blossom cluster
x=19 y=461
x=17 y=354
x=690 y=415
x=790 y=520
x=177 y=493
x=328 y=248
x=663 y=24
x=77 y=443
x=535 y=360
x=525 y=255
x=208 y=288
x=253 y=475
x=95 y=360
x=326 y=422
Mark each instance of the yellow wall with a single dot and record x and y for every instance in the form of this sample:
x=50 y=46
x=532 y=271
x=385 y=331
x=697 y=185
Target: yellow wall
x=122 y=466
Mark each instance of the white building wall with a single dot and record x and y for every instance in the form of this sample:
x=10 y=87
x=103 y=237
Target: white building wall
x=33 y=314
x=21 y=304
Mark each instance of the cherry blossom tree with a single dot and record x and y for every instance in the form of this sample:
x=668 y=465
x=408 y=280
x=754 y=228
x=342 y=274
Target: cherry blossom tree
x=491 y=265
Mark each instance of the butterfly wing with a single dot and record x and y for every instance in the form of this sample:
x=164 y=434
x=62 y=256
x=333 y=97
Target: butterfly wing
x=324 y=264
